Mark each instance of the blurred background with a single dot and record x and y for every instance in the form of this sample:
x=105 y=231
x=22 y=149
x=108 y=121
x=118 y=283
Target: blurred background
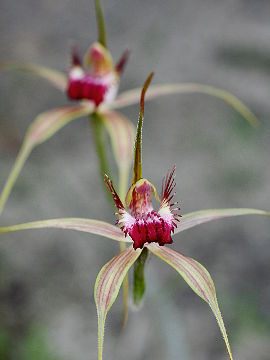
x=47 y=310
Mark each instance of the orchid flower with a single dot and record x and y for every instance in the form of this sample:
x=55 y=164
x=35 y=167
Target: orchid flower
x=146 y=230
x=94 y=83
x=90 y=82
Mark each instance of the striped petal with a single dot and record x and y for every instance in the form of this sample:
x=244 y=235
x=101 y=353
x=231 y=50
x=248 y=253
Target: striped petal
x=90 y=226
x=197 y=277
x=56 y=78
x=41 y=129
x=108 y=283
x=132 y=97
x=122 y=133
x=192 y=219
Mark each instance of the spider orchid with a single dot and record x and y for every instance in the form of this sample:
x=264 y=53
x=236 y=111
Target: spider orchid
x=94 y=82
x=100 y=83
x=146 y=230
x=91 y=82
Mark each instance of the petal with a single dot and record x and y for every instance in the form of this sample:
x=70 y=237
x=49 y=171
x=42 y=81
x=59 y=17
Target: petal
x=122 y=133
x=56 y=78
x=115 y=196
x=132 y=97
x=168 y=209
x=107 y=286
x=41 y=129
x=197 y=277
x=84 y=225
x=121 y=64
x=48 y=123
x=199 y=217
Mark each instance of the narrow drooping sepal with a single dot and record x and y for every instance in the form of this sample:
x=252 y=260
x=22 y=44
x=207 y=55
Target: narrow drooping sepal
x=198 y=278
x=90 y=226
x=48 y=123
x=137 y=169
x=199 y=217
x=56 y=78
x=42 y=128
x=131 y=97
x=107 y=286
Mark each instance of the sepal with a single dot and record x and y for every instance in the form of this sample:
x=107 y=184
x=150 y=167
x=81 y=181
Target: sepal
x=131 y=97
x=199 y=217
x=42 y=129
x=56 y=78
x=122 y=133
x=90 y=226
x=198 y=278
x=107 y=286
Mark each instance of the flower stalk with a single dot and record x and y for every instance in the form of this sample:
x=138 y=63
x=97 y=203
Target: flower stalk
x=101 y=146
x=138 y=277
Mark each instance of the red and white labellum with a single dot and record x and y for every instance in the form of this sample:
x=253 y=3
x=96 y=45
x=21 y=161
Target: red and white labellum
x=99 y=83
x=140 y=221
x=98 y=89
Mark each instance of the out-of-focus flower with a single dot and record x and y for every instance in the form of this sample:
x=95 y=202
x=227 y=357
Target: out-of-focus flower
x=94 y=83
x=97 y=79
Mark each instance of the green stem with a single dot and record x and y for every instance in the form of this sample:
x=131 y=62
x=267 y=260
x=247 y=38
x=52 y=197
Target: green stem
x=139 y=282
x=19 y=162
x=100 y=142
x=101 y=24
